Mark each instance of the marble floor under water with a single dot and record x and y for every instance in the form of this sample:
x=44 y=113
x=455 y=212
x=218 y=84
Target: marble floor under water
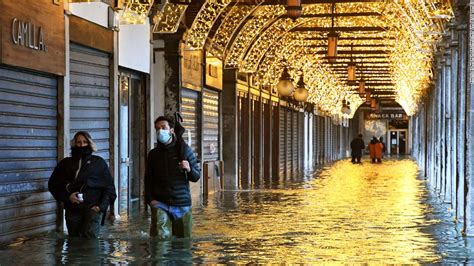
x=342 y=213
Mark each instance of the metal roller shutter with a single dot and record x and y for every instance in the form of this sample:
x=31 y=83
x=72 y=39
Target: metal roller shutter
x=315 y=139
x=90 y=96
x=210 y=105
x=282 y=139
x=28 y=152
x=289 y=143
x=295 y=141
x=189 y=111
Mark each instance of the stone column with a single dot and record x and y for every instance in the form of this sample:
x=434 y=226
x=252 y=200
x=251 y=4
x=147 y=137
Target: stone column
x=461 y=121
x=172 y=58
x=453 y=105
x=470 y=129
x=446 y=154
x=230 y=129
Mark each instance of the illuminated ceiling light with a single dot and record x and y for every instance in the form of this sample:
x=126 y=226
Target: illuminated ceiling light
x=332 y=39
x=441 y=10
x=135 y=11
x=301 y=93
x=293 y=9
x=368 y=96
x=345 y=109
x=373 y=103
x=285 y=85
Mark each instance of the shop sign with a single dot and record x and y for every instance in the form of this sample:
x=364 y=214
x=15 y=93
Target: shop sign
x=191 y=66
x=33 y=35
x=28 y=34
x=386 y=115
x=214 y=73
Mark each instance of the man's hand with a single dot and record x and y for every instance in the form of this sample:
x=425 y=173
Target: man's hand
x=185 y=165
x=95 y=208
x=74 y=199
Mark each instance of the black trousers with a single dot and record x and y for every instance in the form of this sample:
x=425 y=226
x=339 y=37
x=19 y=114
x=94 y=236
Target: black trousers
x=355 y=157
x=83 y=223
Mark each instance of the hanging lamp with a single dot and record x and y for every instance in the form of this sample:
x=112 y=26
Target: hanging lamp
x=351 y=69
x=333 y=37
x=285 y=85
x=293 y=9
x=361 y=83
x=301 y=93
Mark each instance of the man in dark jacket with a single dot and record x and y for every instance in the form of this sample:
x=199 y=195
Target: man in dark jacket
x=170 y=167
x=357 y=145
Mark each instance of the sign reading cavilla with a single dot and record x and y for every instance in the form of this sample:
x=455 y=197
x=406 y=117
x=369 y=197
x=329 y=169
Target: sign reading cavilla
x=28 y=34
x=32 y=35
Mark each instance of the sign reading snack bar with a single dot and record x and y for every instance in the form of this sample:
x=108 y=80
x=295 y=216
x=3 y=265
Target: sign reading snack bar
x=394 y=115
x=214 y=73
x=32 y=35
x=191 y=69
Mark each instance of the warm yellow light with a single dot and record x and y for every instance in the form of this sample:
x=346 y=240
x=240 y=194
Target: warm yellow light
x=285 y=85
x=332 y=46
x=351 y=72
x=373 y=103
x=293 y=8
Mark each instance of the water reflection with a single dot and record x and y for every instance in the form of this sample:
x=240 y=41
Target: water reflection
x=349 y=213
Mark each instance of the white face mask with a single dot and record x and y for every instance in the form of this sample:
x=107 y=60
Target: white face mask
x=163 y=136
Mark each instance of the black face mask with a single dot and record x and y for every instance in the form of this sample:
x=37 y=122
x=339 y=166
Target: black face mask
x=81 y=151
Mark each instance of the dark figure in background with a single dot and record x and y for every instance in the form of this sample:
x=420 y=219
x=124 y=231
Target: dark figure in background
x=384 y=148
x=357 y=146
x=170 y=167
x=83 y=182
x=375 y=148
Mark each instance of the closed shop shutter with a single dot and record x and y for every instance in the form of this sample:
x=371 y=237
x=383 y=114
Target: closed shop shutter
x=315 y=139
x=289 y=142
x=295 y=141
x=243 y=140
x=90 y=96
x=190 y=112
x=28 y=152
x=282 y=140
x=210 y=105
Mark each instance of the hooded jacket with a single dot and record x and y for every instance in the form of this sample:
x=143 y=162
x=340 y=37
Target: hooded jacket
x=165 y=181
x=93 y=180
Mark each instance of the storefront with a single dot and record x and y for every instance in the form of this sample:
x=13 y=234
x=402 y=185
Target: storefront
x=32 y=60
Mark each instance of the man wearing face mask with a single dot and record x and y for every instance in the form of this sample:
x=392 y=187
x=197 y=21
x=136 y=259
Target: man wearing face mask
x=170 y=167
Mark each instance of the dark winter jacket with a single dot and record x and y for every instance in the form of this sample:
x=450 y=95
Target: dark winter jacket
x=93 y=180
x=165 y=181
x=357 y=145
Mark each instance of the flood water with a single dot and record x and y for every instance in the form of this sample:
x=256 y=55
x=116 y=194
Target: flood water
x=344 y=213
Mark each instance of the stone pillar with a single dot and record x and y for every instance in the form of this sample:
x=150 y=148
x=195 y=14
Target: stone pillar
x=453 y=105
x=230 y=129
x=172 y=58
x=470 y=129
x=461 y=121
x=446 y=154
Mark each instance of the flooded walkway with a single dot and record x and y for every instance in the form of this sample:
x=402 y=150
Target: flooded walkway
x=346 y=213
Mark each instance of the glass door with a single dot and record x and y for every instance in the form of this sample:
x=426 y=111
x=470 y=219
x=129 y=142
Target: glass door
x=132 y=137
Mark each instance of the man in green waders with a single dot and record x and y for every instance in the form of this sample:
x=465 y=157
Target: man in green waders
x=170 y=167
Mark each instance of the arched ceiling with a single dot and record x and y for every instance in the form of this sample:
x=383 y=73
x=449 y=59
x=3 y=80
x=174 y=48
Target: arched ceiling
x=392 y=42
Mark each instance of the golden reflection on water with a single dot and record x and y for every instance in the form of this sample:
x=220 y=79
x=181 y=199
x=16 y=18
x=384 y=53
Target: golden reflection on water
x=351 y=213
